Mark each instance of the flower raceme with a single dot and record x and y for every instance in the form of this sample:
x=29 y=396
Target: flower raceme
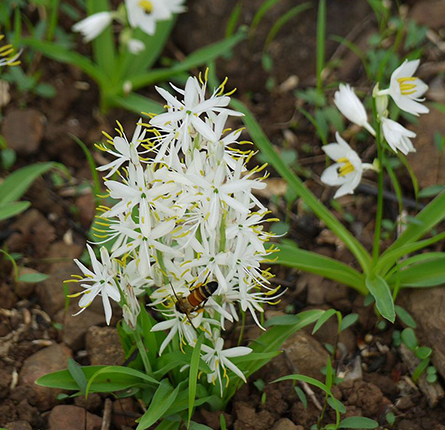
x=185 y=215
x=406 y=90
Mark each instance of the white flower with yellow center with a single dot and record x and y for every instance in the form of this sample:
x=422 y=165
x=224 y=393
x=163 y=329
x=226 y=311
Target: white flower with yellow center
x=351 y=107
x=218 y=358
x=93 y=25
x=406 y=90
x=347 y=170
x=144 y=14
x=8 y=55
x=397 y=136
x=102 y=282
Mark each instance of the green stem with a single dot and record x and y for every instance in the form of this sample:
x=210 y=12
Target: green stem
x=321 y=43
x=143 y=352
x=378 y=222
x=243 y=325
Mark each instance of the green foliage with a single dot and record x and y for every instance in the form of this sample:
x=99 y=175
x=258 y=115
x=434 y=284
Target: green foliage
x=17 y=183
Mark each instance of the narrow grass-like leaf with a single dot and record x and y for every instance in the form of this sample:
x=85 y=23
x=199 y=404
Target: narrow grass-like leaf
x=323 y=319
x=164 y=397
x=292 y=256
x=379 y=289
x=76 y=372
x=283 y=20
x=348 y=320
x=105 y=383
x=405 y=317
x=267 y=149
x=420 y=369
x=91 y=164
x=193 y=375
x=263 y=9
x=12 y=209
x=137 y=103
x=63 y=55
x=16 y=184
x=337 y=405
x=198 y=58
x=321 y=42
x=234 y=19
x=424 y=274
x=308 y=380
x=33 y=277
x=103 y=45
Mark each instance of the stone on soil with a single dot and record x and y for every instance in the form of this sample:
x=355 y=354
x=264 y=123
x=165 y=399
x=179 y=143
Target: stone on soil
x=426 y=307
x=306 y=354
x=104 y=347
x=285 y=424
x=68 y=417
x=47 y=360
x=23 y=130
x=19 y=425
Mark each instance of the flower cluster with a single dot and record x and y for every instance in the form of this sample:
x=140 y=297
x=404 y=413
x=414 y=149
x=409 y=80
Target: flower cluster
x=187 y=229
x=406 y=91
x=8 y=55
x=142 y=14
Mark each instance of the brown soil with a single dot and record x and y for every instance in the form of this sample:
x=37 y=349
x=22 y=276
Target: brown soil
x=55 y=230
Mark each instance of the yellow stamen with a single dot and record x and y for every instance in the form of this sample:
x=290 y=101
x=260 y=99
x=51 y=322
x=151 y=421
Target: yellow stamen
x=146 y=5
x=407 y=89
x=346 y=168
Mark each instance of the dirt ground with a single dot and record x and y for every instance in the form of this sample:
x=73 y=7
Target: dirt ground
x=37 y=333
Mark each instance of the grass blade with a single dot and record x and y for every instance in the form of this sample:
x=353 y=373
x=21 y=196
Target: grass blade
x=193 y=375
x=321 y=42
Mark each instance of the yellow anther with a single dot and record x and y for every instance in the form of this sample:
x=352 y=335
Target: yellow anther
x=407 y=89
x=146 y=5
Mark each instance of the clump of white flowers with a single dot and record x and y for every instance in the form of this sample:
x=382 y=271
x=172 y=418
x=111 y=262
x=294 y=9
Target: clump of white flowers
x=406 y=90
x=185 y=216
x=134 y=14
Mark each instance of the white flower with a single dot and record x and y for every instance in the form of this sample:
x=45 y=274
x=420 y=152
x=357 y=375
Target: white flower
x=93 y=25
x=124 y=151
x=136 y=46
x=103 y=282
x=406 y=90
x=351 y=107
x=348 y=169
x=216 y=357
x=143 y=14
x=397 y=136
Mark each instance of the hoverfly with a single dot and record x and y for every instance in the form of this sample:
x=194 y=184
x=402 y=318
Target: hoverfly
x=195 y=300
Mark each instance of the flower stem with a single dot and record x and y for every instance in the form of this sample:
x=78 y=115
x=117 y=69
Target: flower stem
x=379 y=216
x=143 y=352
x=243 y=324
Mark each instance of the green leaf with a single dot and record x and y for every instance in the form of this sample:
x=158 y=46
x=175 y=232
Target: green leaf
x=268 y=150
x=423 y=352
x=292 y=256
x=103 y=45
x=263 y=9
x=162 y=400
x=16 y=184
x=405 y=317
x=33 y=278
x=431 y=191
x=127 y=372
x=348 y=320
x=409 y=338
x=104 y=382
x=137 y=103
x=197 y=426
x=429 y=273
x=63 y=55
x=379 y=289
x=13 y=208
x=323 y=319
x=196 y=59
x=193 y=375
x=429 y=217
x=308 y=380
x=420 y=369
x=282 y=320
x=302 y=396
x=358 y=423
x=336 y=405
x=76 y=372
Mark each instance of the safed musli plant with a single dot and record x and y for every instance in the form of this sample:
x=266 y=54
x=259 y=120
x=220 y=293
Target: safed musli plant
x=123 y=63
x=181 y=251
x=382 y=274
